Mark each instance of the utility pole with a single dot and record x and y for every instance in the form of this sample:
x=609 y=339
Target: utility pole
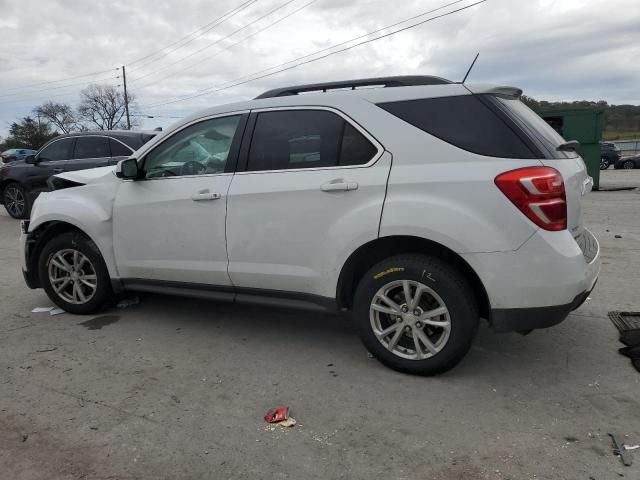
x=126 y=99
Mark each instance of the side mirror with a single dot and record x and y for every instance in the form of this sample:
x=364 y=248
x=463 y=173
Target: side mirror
x=128 y=169
x=30 y=159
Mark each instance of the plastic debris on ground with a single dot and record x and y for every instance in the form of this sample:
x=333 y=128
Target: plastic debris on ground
x=56 y=311
x=280 y=416
x=42 y=309
x=128 y=302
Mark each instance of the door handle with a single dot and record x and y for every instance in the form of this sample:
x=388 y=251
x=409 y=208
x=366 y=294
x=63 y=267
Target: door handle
x=58 y=170
x=202 y=196
x=338 y=185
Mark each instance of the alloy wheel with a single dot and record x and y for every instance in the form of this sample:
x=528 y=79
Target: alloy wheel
x=14 y=201
x=72 y=276
x=628 y=165
x=410 y=319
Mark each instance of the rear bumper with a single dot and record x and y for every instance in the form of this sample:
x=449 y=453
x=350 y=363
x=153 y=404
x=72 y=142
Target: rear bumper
x=538 y=285
x=526 y=319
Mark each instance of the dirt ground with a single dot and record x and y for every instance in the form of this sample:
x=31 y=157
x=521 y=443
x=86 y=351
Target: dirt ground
x=176 y=389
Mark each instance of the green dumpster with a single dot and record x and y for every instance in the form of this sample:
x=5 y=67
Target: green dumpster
x=585 y=126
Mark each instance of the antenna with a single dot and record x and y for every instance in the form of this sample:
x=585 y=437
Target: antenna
x=470 y=67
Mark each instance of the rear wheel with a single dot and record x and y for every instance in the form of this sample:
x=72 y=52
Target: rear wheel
x=629 y=165
x=74 y=274
x=604 y=163
x=16 y=201
x=416 y=314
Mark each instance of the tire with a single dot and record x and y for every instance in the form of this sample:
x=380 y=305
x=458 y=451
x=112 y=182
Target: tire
x=442 y=286
x=16 y=201
x=629 y=165
x=82 y=290
x=604 y=163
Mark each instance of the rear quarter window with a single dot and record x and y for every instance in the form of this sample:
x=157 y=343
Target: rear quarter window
x=464 y=121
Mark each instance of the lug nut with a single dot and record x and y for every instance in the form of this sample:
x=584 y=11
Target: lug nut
x=405 y=309
x=416 y=312
x=418 y=324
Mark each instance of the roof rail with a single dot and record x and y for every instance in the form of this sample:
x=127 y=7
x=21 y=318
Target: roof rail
x=398 y=81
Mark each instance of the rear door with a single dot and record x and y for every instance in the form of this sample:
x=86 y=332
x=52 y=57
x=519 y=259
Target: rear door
x=90 y=151
x=313 y=183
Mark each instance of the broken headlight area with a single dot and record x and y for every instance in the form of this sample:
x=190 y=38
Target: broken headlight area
x=57 y=183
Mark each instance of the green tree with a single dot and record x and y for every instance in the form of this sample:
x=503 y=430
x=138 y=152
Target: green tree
x=28 y=133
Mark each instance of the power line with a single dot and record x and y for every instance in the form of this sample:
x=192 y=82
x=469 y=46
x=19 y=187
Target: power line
x=211 y=90
x=29 y=99
x=214 y=43
x=61 y=80
x=205 y=28
x=228 y=47
x=228 y=14
x=58 y=87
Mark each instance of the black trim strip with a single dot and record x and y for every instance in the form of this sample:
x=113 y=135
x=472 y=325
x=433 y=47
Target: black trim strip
x=225 y=293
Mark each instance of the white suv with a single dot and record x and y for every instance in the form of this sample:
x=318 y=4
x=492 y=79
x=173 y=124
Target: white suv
x=420 y=206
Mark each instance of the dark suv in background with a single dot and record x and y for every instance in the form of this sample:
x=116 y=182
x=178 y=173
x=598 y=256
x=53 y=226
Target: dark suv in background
x=609 y=155
x=22 y=180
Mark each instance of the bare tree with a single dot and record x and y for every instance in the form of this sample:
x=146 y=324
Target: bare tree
x=61 y=115
x=103 y=106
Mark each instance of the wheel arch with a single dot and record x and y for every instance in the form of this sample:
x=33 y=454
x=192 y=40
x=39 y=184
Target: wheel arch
x=369 y=254
x=8 y=181
x=45 y=232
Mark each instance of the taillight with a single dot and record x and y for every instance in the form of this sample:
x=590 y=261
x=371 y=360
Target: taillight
x=538 y=192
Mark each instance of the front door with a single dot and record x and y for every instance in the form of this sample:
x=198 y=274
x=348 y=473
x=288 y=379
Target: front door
x=49 y=161
x=170 y=225
x=312 y=190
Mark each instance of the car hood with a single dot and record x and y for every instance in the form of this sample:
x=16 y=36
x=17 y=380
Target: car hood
x=93 y=175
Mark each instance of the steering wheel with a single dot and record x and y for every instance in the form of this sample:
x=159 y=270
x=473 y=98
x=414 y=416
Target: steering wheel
x=192 y=168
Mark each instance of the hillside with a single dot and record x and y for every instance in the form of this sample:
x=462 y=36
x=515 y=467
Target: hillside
x=622 y=122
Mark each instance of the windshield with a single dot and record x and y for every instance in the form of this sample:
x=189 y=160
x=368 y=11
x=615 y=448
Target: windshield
x=538 y=129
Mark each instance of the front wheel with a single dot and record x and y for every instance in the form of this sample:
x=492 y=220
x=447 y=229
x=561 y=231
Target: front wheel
x=16 y=201
x=74 y=275
x=604 y=163
x=416 y=314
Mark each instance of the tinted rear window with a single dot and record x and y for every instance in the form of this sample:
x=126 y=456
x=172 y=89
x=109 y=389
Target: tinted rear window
x=293 y=139
x=463 y=121
x=537 y=129
x=92 y=147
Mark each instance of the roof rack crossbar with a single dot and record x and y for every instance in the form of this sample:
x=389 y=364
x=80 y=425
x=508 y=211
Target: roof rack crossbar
x=398 y=81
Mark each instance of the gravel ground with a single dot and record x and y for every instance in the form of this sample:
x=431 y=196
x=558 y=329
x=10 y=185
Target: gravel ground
x=176 y=388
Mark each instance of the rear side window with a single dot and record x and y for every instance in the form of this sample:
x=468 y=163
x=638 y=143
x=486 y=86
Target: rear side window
x=463 y=121
x=292 y=139
x=92 y=147
x=118 y=149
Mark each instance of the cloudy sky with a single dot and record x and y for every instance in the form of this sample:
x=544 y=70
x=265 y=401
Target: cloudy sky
x=553 y=49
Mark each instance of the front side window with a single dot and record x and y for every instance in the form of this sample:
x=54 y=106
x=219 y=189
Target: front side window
x=92 y=147
x=294 y=139
x=200 y=149
x=58 y=150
